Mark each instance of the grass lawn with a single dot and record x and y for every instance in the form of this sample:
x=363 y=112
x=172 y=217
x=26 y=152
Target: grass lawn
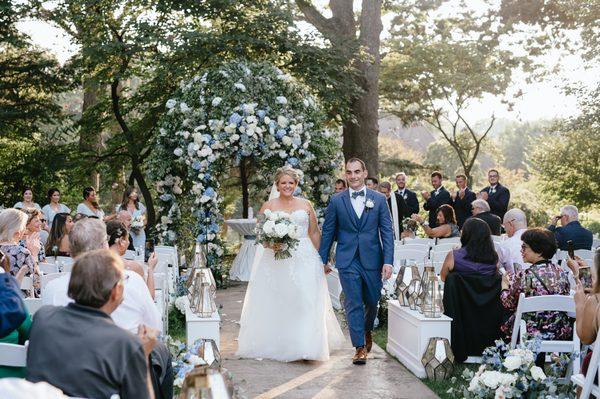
x=439 y=387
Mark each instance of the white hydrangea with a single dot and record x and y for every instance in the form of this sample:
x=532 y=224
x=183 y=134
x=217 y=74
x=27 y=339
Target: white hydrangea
x=493 y=379
x=281 y=100
x=216 y=101
x=184 y=107
x=512 y=362
x=178 y=152
x=282 y=121
x=537 y=373
x=240 y=86
x=171 y=103
x=287 y=140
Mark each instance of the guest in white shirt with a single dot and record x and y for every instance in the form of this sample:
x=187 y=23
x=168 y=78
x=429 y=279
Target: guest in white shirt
x=509 y=250
x=137 y=306
x=54 y=207
x=27 y=200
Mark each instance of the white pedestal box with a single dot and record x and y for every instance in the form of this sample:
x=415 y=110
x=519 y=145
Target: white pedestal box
x=409 y=332
x=202 y=327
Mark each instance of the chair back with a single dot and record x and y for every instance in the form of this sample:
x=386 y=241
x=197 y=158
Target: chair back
x=48 y=268
x=27 y=285
x=63 y=259
x=595 y=243
x=439 y=254
x=450 y=240
x=424 y=241
x=447 y=246
x=46 y=278
x=401 y=255
x=170 y=250
x=33 y=304
x=584 y=254
x=12 y=355
x=588 y=387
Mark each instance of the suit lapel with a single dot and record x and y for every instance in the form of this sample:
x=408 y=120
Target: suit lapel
x=366 y=211
x=349 y=208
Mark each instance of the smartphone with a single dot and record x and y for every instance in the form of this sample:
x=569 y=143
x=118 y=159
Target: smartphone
x=585 y=276
x=149 y=249
x=570 y=249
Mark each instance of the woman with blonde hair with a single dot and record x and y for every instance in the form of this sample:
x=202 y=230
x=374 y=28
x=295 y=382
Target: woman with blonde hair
x=33 y=228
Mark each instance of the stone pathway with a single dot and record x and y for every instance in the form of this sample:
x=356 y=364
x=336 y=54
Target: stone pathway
x=383 y=377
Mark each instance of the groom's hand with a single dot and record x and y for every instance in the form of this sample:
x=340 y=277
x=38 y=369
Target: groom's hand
x=327 y=269
x=386 y=272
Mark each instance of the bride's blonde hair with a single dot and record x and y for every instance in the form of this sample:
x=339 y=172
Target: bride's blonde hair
x=287 y=170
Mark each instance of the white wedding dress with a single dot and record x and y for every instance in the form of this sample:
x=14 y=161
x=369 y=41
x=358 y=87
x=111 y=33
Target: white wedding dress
x=287 y=312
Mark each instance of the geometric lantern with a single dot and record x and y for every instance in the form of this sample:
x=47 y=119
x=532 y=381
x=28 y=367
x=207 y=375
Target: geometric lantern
x=432 y=305
x=438 y=359
x=200 y=296
x=207 y=383
x=414 y=294
x=405 y=276
x=209 y=352
x=428 y=271
x=210 y=279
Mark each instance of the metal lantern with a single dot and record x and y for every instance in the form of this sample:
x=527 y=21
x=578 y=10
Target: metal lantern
x=428 y=271
x=432 y=305
x=201 y=298
x=207 y=383
x=209 y=352
x=405 y=276
x=438 y=359
x=414 y=294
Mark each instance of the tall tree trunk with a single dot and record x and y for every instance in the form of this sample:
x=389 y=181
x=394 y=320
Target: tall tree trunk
x=90 y=139
x=360 y=135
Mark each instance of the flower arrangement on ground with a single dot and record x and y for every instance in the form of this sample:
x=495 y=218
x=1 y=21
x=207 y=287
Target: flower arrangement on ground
x=277 y=230
x=512 y=373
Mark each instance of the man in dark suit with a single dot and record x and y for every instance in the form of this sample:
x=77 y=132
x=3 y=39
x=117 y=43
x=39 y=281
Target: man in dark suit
x=481 y=210
x=462 y=199
x=410 y=197
x=436 y=198
x=496 y=195
x=385 y=188
x=571 y=229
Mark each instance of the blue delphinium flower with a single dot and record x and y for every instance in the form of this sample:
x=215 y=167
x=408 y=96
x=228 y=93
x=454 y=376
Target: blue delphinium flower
x=209 y=192
x=280 y=133
x=166 y=197
x=235 y=118
x=196 y=165
x=293 y=161
x=261 y=113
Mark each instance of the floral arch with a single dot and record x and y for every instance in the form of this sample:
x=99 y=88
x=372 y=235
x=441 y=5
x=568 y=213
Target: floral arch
x=238 y=113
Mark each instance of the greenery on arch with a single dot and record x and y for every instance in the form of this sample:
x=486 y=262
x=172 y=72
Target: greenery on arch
x=239 y=112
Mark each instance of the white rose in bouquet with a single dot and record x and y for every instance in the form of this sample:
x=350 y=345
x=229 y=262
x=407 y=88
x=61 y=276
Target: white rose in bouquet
x=269 y=227
x=268 y=213
x=537 y=373
x=512 y=362
x=281 y=230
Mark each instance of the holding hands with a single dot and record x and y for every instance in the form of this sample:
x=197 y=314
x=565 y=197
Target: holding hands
x=32 y=242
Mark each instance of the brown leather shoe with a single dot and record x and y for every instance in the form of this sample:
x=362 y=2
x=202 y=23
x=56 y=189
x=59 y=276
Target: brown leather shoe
x=360 y=357
x=369 y=340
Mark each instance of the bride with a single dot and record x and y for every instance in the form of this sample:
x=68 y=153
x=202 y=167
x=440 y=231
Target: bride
x=287 y=312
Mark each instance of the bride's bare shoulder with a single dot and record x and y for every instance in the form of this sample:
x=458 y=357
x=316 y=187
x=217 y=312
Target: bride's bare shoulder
x=266 y=205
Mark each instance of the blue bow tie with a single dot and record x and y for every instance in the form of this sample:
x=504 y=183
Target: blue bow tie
x=357 y=194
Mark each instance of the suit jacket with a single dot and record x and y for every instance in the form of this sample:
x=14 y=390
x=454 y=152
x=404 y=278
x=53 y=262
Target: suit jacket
x=434 y=202
x=582 y=238
x=358 y=236
x=498 y=200
x=412 y=202
x=462 y=206
x=492 y=220
x=12 y=308
x=401 y=208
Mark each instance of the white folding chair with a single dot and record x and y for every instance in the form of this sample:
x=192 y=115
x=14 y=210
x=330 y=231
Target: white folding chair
x=585 y=254
x=425 y=241
x=547 y=303
x=595 y=243
x=12 y=355
x=419 y=256
x=447 y=246
x=27 y=285
x=46 y=278
x=453 y=240
x=167 y=250
x=48 y=268
x=439 y=255
x=33 y=304
x=62 y=259
x=588 y=387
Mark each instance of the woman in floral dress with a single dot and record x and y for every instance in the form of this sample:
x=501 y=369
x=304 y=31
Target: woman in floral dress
x=542 y=278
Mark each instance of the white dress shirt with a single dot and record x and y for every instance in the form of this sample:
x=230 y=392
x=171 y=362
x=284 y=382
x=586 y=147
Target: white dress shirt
x=358 y=203
x=509 y=251
x=137 y=306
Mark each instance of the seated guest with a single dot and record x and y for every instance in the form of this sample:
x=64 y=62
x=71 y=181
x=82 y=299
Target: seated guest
x=541 y=278
x=477 y=254
x=58 y=243
x=587 y=310
x=97 y=358
x=481 y=210
x=27 y=202
x=54 y=206
x=372 y=183
x=118 y=242
x=461 y=200
x=340 y=185
x=496 y=195
x=509 y=250
x=33 y=229
x=44 y=234
x=571 y=229
x=446 y=223
x=23 y=259
x=436 y=198
x=396 y=205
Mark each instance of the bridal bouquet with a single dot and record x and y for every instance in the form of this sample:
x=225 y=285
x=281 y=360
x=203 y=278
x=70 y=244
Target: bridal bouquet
x=276 y=228
x=137 y=223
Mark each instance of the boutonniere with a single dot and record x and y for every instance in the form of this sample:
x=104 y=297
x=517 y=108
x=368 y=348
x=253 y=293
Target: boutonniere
x=369 y=203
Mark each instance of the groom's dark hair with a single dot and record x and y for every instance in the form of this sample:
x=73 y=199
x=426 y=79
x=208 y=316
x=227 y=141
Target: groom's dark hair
x=360 y=161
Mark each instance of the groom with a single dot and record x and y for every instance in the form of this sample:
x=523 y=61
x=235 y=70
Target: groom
x=360 y=220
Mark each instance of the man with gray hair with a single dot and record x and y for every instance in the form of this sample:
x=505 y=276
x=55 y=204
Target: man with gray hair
x=509 y=250
x=571 y=229
x=481 y=210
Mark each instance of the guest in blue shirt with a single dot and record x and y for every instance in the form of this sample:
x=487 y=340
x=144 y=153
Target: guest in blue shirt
x=571 y=229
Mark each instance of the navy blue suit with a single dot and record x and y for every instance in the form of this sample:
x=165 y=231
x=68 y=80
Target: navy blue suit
x=12 y=307
x=364 y=245
x=434 y=202
x=412 y=202
x=462 y=206
x=582 y=238
x=498 y=199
